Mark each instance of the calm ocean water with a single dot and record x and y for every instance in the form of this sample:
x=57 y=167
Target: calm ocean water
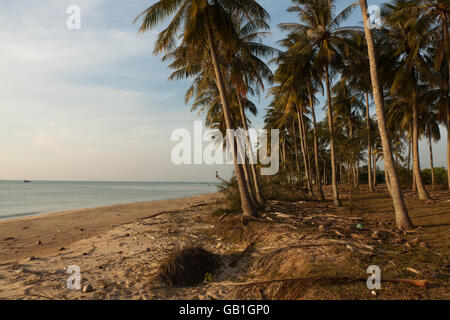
x=18 y=199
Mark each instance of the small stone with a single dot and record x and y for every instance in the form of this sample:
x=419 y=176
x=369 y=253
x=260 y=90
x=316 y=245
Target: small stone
x=415 y=242
x=88 y=288
x=126 y=235
x=38 y=242
x=377 y=235
x=148 y=250
x=359 y=226
x=62 y=249
x=374 y=293
x=81 y=229
x=32 y=258
x=408 y=246
x=423 y=245
x=322 y=228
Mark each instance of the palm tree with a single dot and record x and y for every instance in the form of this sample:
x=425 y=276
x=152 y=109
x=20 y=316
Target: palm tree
x=410 y=38
x=290 y=100
x=437 y=12
x=297 y=64
x=432 y=132
x=401 y=214
x=248 y=73
x=208 y=25
x=357 y=72
x=347 y=104
x=322 y=27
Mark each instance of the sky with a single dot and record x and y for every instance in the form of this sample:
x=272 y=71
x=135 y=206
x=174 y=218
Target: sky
x=95 y=104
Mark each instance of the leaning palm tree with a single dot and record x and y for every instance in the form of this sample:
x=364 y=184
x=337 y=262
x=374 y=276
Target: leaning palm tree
x=208 y=25
x=248 y=74
x=322 y=27
x=401 y=214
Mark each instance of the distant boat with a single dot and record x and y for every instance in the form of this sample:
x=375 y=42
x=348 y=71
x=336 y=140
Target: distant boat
x=26 y=181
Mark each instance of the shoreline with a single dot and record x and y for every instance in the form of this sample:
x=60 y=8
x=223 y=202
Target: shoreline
x=44 y=234
x=36 y=215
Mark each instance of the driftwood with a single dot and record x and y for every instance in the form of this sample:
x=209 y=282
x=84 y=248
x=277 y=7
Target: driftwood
x=159 y=214
x=417 y=283
x=221 y=218
x=413 y=270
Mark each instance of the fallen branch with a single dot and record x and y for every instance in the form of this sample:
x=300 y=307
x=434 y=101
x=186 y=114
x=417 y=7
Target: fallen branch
x=417 y=283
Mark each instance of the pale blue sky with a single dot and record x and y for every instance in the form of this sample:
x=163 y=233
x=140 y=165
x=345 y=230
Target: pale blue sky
x=95 y=104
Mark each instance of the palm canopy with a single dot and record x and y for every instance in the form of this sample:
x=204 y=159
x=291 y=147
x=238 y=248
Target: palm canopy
x=321 y=27
x=191 y=18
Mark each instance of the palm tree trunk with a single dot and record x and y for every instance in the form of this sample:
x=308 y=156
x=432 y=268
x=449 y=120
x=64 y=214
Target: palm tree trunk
x=388 y=183
x=316 y=145
x=369 y=145
x=433 y=181
x=357 y=174
x=401 y=214
x=305 y=144
x=303 y=147
x=248 y=182
x=374 y=156
x=352 y=158
x=259 y=196
x=409 y=154
x=423 y=194
x=297 y=163
x=248 y=209
x=447 y=48
x=337 y=201
x=448 y=144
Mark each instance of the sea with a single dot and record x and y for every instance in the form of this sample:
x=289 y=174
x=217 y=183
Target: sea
x=20 y=199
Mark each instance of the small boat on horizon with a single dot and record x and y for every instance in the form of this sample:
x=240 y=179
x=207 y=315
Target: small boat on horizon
x=26 y=181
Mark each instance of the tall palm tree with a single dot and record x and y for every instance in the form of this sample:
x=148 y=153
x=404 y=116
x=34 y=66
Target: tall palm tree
x=401 y=214
x=348 y=103
x=357 y=72
x=322 y=26
x=437 y=13
x=209 y=25
x=248 y=73
x=297 y=64
x=409 y=35
x=432 y=132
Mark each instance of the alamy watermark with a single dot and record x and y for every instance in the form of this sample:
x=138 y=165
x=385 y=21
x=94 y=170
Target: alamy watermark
x=375 y=21
x=211 y=148
x=374 y=281
x=73 y=22
x=74 y=281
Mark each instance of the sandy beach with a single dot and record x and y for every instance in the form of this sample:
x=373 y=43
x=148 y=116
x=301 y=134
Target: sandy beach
x=119 y=250
x=35 y=250
x=19 y=237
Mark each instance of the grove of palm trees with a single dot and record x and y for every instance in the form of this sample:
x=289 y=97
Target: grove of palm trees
x=352 y=189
